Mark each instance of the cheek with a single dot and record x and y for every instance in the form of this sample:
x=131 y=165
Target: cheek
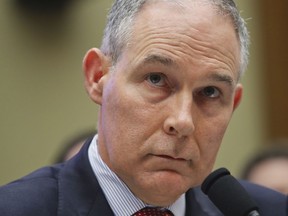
x=124 y=121
x=208 y=147
x=127 y=112
x=213 y=133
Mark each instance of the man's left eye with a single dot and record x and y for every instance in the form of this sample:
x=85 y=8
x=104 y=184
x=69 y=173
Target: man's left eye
x=211 y=92
x=156 y=79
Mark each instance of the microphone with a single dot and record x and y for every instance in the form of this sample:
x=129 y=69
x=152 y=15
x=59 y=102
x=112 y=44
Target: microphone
x=228 y=195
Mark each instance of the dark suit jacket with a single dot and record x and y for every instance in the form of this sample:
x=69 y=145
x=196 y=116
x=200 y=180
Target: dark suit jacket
x=71 y=189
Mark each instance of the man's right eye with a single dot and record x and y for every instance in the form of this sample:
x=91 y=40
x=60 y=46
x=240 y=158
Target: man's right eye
x=157 y=79
x=211 y=92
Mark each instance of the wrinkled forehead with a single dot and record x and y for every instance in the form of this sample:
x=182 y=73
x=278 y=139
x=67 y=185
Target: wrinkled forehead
x=183 y=29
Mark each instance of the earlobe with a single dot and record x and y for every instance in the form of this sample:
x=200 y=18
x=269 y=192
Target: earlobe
x=237 y=96
x=94 y=67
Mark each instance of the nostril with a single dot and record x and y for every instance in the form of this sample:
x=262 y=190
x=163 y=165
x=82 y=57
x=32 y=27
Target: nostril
x=171 y=129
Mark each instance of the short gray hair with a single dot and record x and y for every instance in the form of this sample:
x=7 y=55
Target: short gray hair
x=121 y=17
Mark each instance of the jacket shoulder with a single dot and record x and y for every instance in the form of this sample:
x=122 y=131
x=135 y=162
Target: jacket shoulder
x=270 y=202
x=34 y=194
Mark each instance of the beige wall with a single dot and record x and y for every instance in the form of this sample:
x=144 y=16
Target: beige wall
x=42 y=97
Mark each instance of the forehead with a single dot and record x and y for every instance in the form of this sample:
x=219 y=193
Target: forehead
x=184 y=27
x=192 y=17
x=185 y=13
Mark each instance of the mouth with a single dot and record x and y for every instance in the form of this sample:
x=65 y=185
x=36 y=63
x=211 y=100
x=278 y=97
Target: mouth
x=170 y=158
x=172 y=164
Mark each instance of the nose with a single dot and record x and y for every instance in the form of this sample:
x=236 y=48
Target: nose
x=179 y=120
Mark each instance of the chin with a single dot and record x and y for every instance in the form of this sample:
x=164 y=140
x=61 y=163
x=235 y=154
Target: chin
x=163 y=197
x=167 y=185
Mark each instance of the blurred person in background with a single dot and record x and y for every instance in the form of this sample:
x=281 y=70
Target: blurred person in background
x=72 y=146
x=269 y=168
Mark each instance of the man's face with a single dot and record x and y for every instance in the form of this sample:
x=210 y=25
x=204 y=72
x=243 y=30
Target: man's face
x=166 y=105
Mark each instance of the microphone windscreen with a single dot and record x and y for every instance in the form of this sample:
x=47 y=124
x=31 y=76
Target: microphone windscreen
x=227 y=194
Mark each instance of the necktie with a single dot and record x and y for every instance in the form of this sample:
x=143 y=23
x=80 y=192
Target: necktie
x=152 y=211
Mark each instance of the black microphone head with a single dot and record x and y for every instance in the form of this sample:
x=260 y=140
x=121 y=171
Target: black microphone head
x=227 y=194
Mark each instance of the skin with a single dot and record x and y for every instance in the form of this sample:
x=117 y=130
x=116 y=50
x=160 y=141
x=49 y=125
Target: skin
x=272 y=173
x=74 y=150
x=168 y=101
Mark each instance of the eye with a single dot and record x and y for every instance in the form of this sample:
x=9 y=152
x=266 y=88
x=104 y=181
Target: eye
x=156 y=79
x=211 y=92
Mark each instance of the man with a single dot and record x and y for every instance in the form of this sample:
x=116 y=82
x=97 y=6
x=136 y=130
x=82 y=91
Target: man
x=167 y=82
x=269 y=168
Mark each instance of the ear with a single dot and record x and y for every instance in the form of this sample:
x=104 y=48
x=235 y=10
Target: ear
x=95 y=66
x=237 y=96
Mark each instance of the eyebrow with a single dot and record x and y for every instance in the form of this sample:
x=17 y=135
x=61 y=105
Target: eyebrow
x=222 y=78
x=158 y=59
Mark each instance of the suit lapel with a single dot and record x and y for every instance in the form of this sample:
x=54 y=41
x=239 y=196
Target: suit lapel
x=198 y=204
x=79 y=190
